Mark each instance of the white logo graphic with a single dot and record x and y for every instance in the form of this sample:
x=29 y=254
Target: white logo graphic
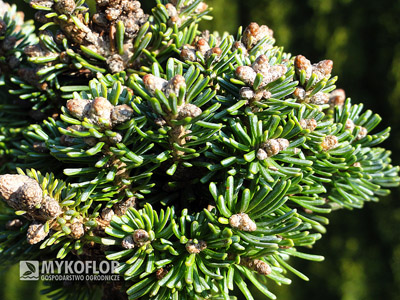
x=29 y=270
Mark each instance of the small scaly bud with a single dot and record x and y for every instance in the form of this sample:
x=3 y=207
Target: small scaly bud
x=49 y=208
x=194 y=246
x=128 y=242
x=261 y=154
x=66 y=7
x=202 y=46
x=273 y=73
x=36 y=233
x=174 y=85
x=283 y=144
x=20 y=191
x=120 y=208
x=260 y=64
x=323 y=69
x=362 y=133
x=188 y=53
x=188 y=110
x=246 y=74
x=79 y=108
x=319 y=98
x=242 y=222
x=241 y=46
x=330 y=142
x=254 y=33
x=77 y=230
x=300 y=94
x=100 y=109
x=121 y=114
x=309 y=124
x=337 y=98
x=153 y=83
x=260 y=266
x=215 y=50
x=141 y=237
x=115 y=63
x=302 y=63
x=349 y=125
x=246 y=93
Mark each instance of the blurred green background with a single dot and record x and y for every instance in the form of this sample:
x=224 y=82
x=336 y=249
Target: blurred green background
x=362 y=37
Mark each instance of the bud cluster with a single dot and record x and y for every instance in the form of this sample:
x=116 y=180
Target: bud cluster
x=271 y=147
x=99 y=112
x=269 y=73
x=99 y=35
x=201 y=45
x=321 y=69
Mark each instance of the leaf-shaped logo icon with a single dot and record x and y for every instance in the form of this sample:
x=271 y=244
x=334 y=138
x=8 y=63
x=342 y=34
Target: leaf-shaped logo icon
x=27 y=273
x=31 y=267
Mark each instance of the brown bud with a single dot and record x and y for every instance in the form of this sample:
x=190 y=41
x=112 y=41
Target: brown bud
x=153 y=83
x=260 y=266
x=200 y=8
x=20 y=191
x=188 y=54
x=324 y=68
x=260 y=64
x=246 y=74
x=188 y=110
x=350 y=125
x=77 y=230
x=115 y=63
x=141 y=237
x=202 y=46
x=274 y=146
x=100 y=109
x=242 y=222
x=128 y=242
x=241 y=46
x=174 y=85
x=120 y=114
x=246 y=93
x=261 y=154
x=160 y=273
x=120 y=208
x=79 y=108
x=36 y=233
x=272 y=73
x=65 y=6
x=283 y=144
x=194 y=246
x=254 y=33
x=302 y=63
x=330 y=142
x=50 y=208
x=362 y=133
x=309 y=124
x=319 y=98
x=337 y=98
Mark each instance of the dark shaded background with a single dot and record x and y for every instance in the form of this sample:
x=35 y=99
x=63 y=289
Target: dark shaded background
x=362 y=37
